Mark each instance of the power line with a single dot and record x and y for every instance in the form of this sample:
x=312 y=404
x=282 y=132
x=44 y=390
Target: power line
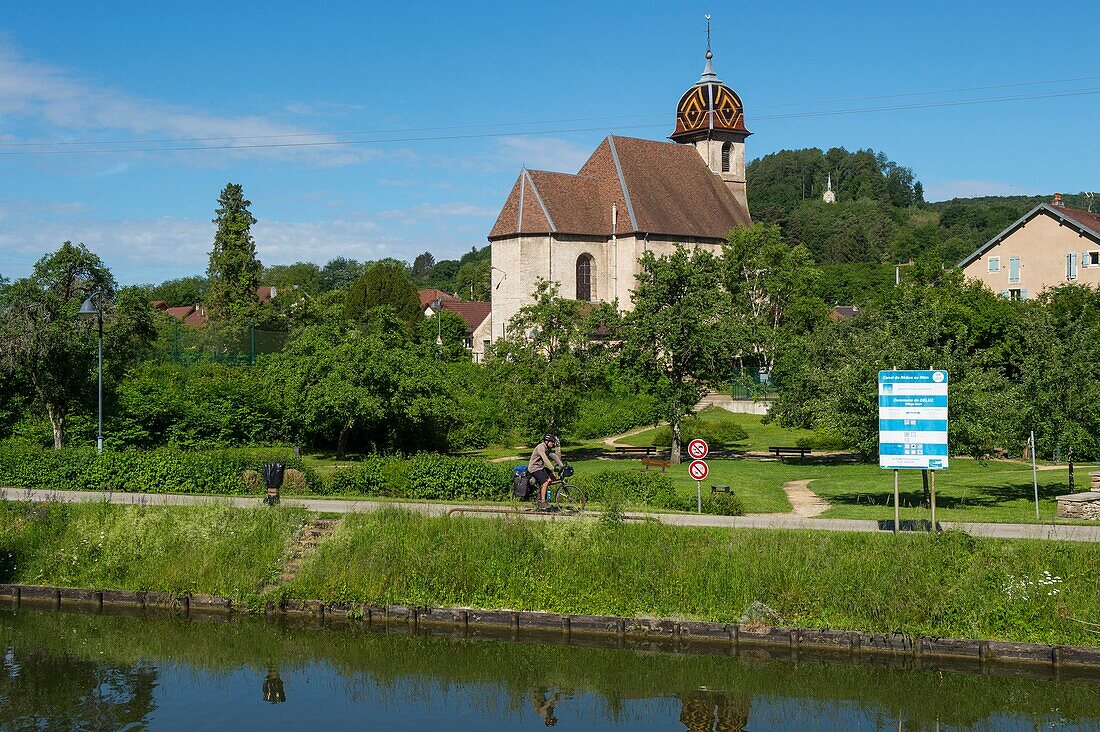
x=289 y=135
x=427 y=138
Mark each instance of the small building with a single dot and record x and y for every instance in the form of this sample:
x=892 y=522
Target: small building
x=476 y=314
x=1049 y=245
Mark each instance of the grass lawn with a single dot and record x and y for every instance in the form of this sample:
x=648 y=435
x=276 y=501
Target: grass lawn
x=971 y=490
x=761 y=436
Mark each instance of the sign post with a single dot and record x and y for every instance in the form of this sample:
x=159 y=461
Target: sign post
x=912 y=423
x=1034 y=473
x=698 y=470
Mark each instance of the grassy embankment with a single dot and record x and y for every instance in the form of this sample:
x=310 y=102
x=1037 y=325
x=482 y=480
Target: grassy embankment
x=946 y=585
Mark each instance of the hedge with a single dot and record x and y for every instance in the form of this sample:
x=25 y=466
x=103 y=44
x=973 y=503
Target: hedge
x=163 y=470
x=631 y=486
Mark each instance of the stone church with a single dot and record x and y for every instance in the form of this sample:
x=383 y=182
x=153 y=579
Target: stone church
x=588 y=230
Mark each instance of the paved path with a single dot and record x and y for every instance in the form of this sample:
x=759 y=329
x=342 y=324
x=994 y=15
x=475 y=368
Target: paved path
x=759 y=521
x=804 y=502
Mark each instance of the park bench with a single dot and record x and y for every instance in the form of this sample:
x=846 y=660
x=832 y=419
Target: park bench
x=779 y=452
x=635 y=451
x=716 y=489
x=648 y=463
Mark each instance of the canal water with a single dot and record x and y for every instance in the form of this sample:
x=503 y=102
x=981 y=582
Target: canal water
x=105 y=672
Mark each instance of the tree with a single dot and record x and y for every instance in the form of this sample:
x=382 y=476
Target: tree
x=770 y=288
x=182 y=291
x=234 y=271
x=918 y=193
x=473 y=279
x=340 y=273
x=451 y=329
x=543 y=355
x=385 y=284
x=672 y=336
x=1060 y=372
x=302 y=276
x=41 y=337
x=422 y=266
x=345 y=387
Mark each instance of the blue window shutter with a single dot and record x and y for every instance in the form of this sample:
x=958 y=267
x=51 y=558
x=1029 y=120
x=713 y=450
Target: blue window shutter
x=1023 y=294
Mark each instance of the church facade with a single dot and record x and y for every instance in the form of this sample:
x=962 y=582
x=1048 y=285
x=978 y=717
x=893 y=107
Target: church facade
x=588 y=230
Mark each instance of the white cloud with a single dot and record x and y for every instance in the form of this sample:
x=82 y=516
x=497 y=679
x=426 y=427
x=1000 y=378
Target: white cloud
x=64 y=107
x=945 y=190
x=542 y=153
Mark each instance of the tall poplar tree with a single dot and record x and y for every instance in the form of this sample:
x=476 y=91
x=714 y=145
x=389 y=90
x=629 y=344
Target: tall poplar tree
x=234 y=271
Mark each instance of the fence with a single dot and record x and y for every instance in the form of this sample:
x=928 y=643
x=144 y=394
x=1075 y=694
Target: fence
x=233 y=346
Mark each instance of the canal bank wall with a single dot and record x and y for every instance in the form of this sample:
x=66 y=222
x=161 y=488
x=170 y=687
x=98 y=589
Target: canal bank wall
x=652 y=634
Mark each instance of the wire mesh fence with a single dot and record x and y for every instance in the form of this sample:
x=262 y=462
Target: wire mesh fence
x=239 y=346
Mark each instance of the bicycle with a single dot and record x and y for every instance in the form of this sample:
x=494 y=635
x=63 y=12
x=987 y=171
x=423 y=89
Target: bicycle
x=561 y=495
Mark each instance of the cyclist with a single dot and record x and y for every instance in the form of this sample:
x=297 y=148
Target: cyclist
x=539 y=465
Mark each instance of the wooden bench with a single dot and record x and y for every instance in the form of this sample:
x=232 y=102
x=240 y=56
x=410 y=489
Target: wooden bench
x=716 y=489
x=648 y=463
x=779 y=452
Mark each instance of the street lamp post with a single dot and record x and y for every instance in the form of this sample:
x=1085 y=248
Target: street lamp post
x=437 y=305
x=88 y=309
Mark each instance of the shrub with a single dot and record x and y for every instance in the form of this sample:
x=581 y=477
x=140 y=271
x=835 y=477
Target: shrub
x=253 y=480
x=717 y=435
x=294 y=480
x=631 y=486
x=368 y=478
x=612 y=415
x=723 y=504
x=164 y=470
x=822 y=440
x=454 y=478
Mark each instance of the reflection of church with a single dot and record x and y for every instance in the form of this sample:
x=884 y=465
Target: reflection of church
x=712 y=711
x=587 y=231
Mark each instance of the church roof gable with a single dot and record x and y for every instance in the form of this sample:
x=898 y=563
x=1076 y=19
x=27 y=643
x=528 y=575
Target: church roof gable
x=657 y=187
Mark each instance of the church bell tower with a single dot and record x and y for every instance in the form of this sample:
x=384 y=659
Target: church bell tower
x=710 y=116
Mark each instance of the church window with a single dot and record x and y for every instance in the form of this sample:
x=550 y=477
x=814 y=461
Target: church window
x=726 y=149
x=585 y=278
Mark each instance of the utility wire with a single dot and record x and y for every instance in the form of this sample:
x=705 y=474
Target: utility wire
x=516 y=124
x=426 y=138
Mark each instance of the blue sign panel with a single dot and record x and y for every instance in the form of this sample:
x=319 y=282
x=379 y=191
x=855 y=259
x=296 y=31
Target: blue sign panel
x=912 y=419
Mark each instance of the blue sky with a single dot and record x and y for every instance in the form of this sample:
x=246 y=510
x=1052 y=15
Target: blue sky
x=107 y=75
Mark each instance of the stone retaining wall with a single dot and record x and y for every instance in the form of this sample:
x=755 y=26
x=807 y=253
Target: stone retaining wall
x=651 y=634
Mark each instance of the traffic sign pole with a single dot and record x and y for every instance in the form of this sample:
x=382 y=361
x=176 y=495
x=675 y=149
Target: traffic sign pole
x=699 y=495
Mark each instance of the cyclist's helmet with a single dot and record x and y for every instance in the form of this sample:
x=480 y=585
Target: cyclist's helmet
x=549 y=437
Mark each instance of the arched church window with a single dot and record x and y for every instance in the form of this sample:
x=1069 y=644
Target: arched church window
x=585 y=277
x=726 y=149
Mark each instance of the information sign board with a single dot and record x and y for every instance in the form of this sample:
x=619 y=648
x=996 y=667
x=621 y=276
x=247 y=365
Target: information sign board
x=912 y=419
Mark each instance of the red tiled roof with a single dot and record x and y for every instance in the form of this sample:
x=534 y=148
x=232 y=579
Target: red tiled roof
x=657 y=188
x=265 y=294
x=1085 y=218
x=473 y=312
x=196 y=318
x=427 y=297
x=179 y=313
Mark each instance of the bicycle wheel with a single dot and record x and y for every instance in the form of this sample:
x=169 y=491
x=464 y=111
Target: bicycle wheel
x=570 y=498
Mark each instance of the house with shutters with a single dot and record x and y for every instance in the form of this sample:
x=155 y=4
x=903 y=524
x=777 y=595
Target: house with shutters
x=1049 y=245
x=588 y=230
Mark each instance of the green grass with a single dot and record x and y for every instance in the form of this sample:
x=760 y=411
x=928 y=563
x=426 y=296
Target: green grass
x=941 y=585
x=217 y=550
x=969 y=491
x=761 y=436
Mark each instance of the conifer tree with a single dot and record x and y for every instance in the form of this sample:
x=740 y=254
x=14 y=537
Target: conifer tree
x=234 y=271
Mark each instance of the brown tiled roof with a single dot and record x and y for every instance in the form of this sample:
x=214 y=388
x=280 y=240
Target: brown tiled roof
x=197 y=318
x=427 y=297
x=657 y=187
x=264 y=294
x=1086 y=218
x=180 y=313
x=159 y=305
x=473 y=312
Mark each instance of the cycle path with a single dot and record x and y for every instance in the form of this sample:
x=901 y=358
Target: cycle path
x=1059 y=532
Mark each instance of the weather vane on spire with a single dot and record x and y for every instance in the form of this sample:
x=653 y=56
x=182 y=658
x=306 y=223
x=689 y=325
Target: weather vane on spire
x=707 y=16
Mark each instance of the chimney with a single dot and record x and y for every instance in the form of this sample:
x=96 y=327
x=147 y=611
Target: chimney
x=1058 y=200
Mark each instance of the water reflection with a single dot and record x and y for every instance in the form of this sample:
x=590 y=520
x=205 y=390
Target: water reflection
x=71 y=671
x=711 y=711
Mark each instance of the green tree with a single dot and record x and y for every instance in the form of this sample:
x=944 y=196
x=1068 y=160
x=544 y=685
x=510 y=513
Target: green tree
x=771 y=293
x=473 y=280
x=385 y=284
x=340 y=273
x=234 y=271
x=673 y=335
x=1060 y=372
x=542 y=358
x=422 y=266
x=344 y=387
x=181 y=292
x=41 y=337
x=451 y=330
x=302 y=276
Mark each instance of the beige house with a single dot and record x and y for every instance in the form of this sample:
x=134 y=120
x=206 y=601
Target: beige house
x=1049 y=245
x=588 y=230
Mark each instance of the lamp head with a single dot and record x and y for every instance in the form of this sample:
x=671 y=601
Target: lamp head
x=88 y=308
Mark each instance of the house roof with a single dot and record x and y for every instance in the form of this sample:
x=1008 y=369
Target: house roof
x=179 y=313
x=427 y=297
x=1084 y=222
x=657 y=188
x=843 y=312
x=472 y=312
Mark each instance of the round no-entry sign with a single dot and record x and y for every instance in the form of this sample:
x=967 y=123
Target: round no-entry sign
x=698 y=469
x=698 y=449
